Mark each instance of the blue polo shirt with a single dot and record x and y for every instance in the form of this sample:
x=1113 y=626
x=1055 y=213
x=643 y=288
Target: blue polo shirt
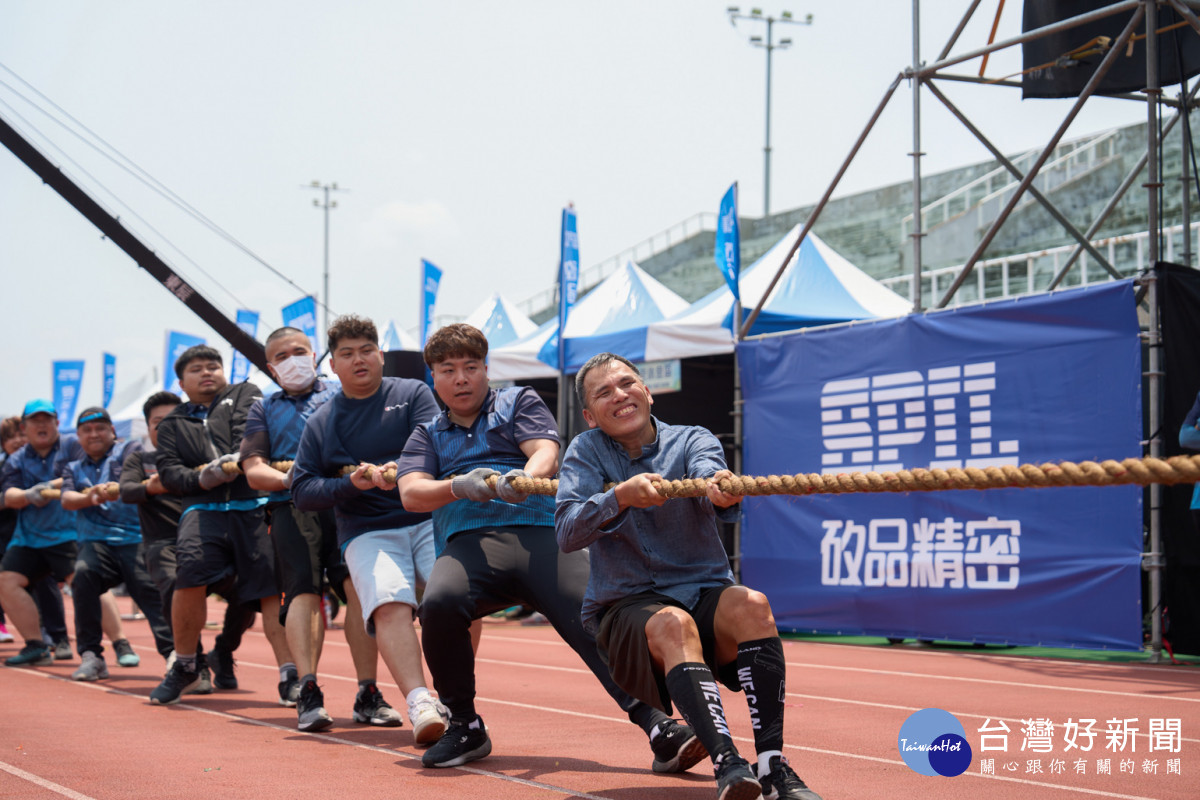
x=275 y=423
x=441 y=448
x=114 y=522
x=51 y=524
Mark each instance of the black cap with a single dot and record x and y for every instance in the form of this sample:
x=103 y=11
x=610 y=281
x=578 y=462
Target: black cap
x=93 y=414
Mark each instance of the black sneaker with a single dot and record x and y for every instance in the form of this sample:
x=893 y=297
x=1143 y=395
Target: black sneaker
x=177 y=681
x=204 y=685
x=371 y=709
x=62 y=650
x=781 y=783
x=310 y=708
x=289 y=689
x=676 y=748
x=735 y=781
x=221 y=661
x=459 y=744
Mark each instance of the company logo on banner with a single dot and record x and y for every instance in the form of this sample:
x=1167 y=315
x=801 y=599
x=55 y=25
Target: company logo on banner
x=110 y=378
x=431 y=278
x=68 y=376
x=176 y=343
x=1045 y=378
x=301 y=314
x=239 y=370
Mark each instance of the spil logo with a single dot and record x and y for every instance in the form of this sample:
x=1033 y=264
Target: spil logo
x=933 y=742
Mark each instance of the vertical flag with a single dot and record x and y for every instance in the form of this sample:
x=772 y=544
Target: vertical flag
x=728 y=252
x=239 y=370
x=176 y=343
x=68 y=375
x=568 y=278
x=110 y=378
x=301 y=314
x=431 y=278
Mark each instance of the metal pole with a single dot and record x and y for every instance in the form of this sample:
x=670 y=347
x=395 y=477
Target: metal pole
x=738 y=402
x=1153 y=561
x=767 y=148
x=325 y=290
x=1185 y=136
x=916 y=155
x=958 y=31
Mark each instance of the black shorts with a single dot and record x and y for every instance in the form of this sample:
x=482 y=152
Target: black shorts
x=621 y=640
x=306 y=551
x=36 y=563
x=214 y=545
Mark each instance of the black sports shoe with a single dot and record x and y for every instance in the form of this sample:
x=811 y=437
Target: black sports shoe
x=177 y=681
x=781 y=783
x=62 y=650
x=676 y=748
x=458 y=745
x=221 y=661
x=310 y=708
x=371 y=709
x=735 y=781
x=289 y=689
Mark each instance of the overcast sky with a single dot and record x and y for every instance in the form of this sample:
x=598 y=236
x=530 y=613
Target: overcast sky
x=460 y=130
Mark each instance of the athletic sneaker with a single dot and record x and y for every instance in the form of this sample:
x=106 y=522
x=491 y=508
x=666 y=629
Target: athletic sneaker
x=34 y=654
x=781 y=783
x=289 y=689
x=125 y=655
x=310 y=708
x=5 y=636
x=371 y=709
x=429 y=719
x=459 y=744
x=735 y=781
x=204 y=685
x=62 y=650
x=93 y=668
x=177 y=681
x=222 y=663
x=676 y=748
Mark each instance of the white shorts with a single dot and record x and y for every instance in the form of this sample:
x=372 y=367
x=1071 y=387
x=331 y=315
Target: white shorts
x=388 y=566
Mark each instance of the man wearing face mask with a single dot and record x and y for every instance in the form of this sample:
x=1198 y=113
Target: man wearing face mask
x=306 y=547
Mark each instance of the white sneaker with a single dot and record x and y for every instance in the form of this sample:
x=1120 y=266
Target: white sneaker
x=429 y=719
x=5 y=636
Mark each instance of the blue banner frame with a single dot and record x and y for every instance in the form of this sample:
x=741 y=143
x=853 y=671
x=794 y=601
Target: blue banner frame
x=176 y=343
x=239 y=369
x=302 y=314
x=431 y=279
x=1046 y=378
x=67 y=377
x=728 y=249
x=110 y=378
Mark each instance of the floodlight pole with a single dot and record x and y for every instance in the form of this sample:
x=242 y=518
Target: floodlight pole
x=325 y=205
x=769 y=45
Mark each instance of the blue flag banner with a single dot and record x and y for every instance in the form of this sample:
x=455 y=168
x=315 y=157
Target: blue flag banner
x=568 y=279
x=176 y=343
x=728 y=250
x=302 y=314
x=110 y=378
x=1038 y=379
x=431 y=278
x=68 y=376
x=239 y=370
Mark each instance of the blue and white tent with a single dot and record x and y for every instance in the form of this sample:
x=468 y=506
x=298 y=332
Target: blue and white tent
x=613 y=316
x=396 y=339
x=501 y=322
x=819 y=287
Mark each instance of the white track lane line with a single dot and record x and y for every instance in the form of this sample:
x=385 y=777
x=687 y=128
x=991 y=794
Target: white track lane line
x=42 y=782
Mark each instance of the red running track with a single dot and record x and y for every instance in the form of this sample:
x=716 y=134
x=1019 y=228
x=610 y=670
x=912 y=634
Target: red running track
x=556 y=734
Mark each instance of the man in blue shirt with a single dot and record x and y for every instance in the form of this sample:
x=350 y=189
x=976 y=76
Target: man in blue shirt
x=496 y=548
x=306 y=547
x=388 y=548
x=667 y=614
x=44 y=542
x=109 y=539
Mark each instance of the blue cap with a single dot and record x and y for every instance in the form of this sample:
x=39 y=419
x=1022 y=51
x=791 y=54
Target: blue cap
x=39 y=406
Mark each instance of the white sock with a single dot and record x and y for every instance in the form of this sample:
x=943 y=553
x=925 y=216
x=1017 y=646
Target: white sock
x=655 y=731
x=764 y=761
x=417 y=694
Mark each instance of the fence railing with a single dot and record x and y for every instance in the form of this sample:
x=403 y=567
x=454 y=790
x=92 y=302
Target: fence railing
x=1028 y=273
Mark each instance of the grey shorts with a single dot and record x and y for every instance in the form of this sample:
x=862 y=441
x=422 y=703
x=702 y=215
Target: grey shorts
x=388 y=566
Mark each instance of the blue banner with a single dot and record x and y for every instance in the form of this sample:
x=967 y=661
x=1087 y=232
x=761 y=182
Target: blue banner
x=239 y=370
x=68 y=376
x=110 y=378
x=1039 y=379
x=302 y=314
x=568 y=279
x=431 y=278
x=728 y=250
x=176 y=343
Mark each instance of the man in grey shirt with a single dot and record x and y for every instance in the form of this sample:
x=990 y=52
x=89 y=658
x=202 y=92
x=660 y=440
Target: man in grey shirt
x=661 y=599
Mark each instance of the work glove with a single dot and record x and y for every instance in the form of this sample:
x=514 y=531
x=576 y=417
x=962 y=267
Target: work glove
x=287 y=479
x=34 y=494
x=473 y=485
x=214 y=474
x=505 y=489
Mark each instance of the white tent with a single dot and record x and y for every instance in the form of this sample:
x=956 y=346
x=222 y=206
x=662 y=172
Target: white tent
x=501 y=321
x=396 y=339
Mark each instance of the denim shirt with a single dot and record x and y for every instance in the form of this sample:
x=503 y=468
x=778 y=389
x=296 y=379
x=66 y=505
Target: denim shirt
x=673 y=549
